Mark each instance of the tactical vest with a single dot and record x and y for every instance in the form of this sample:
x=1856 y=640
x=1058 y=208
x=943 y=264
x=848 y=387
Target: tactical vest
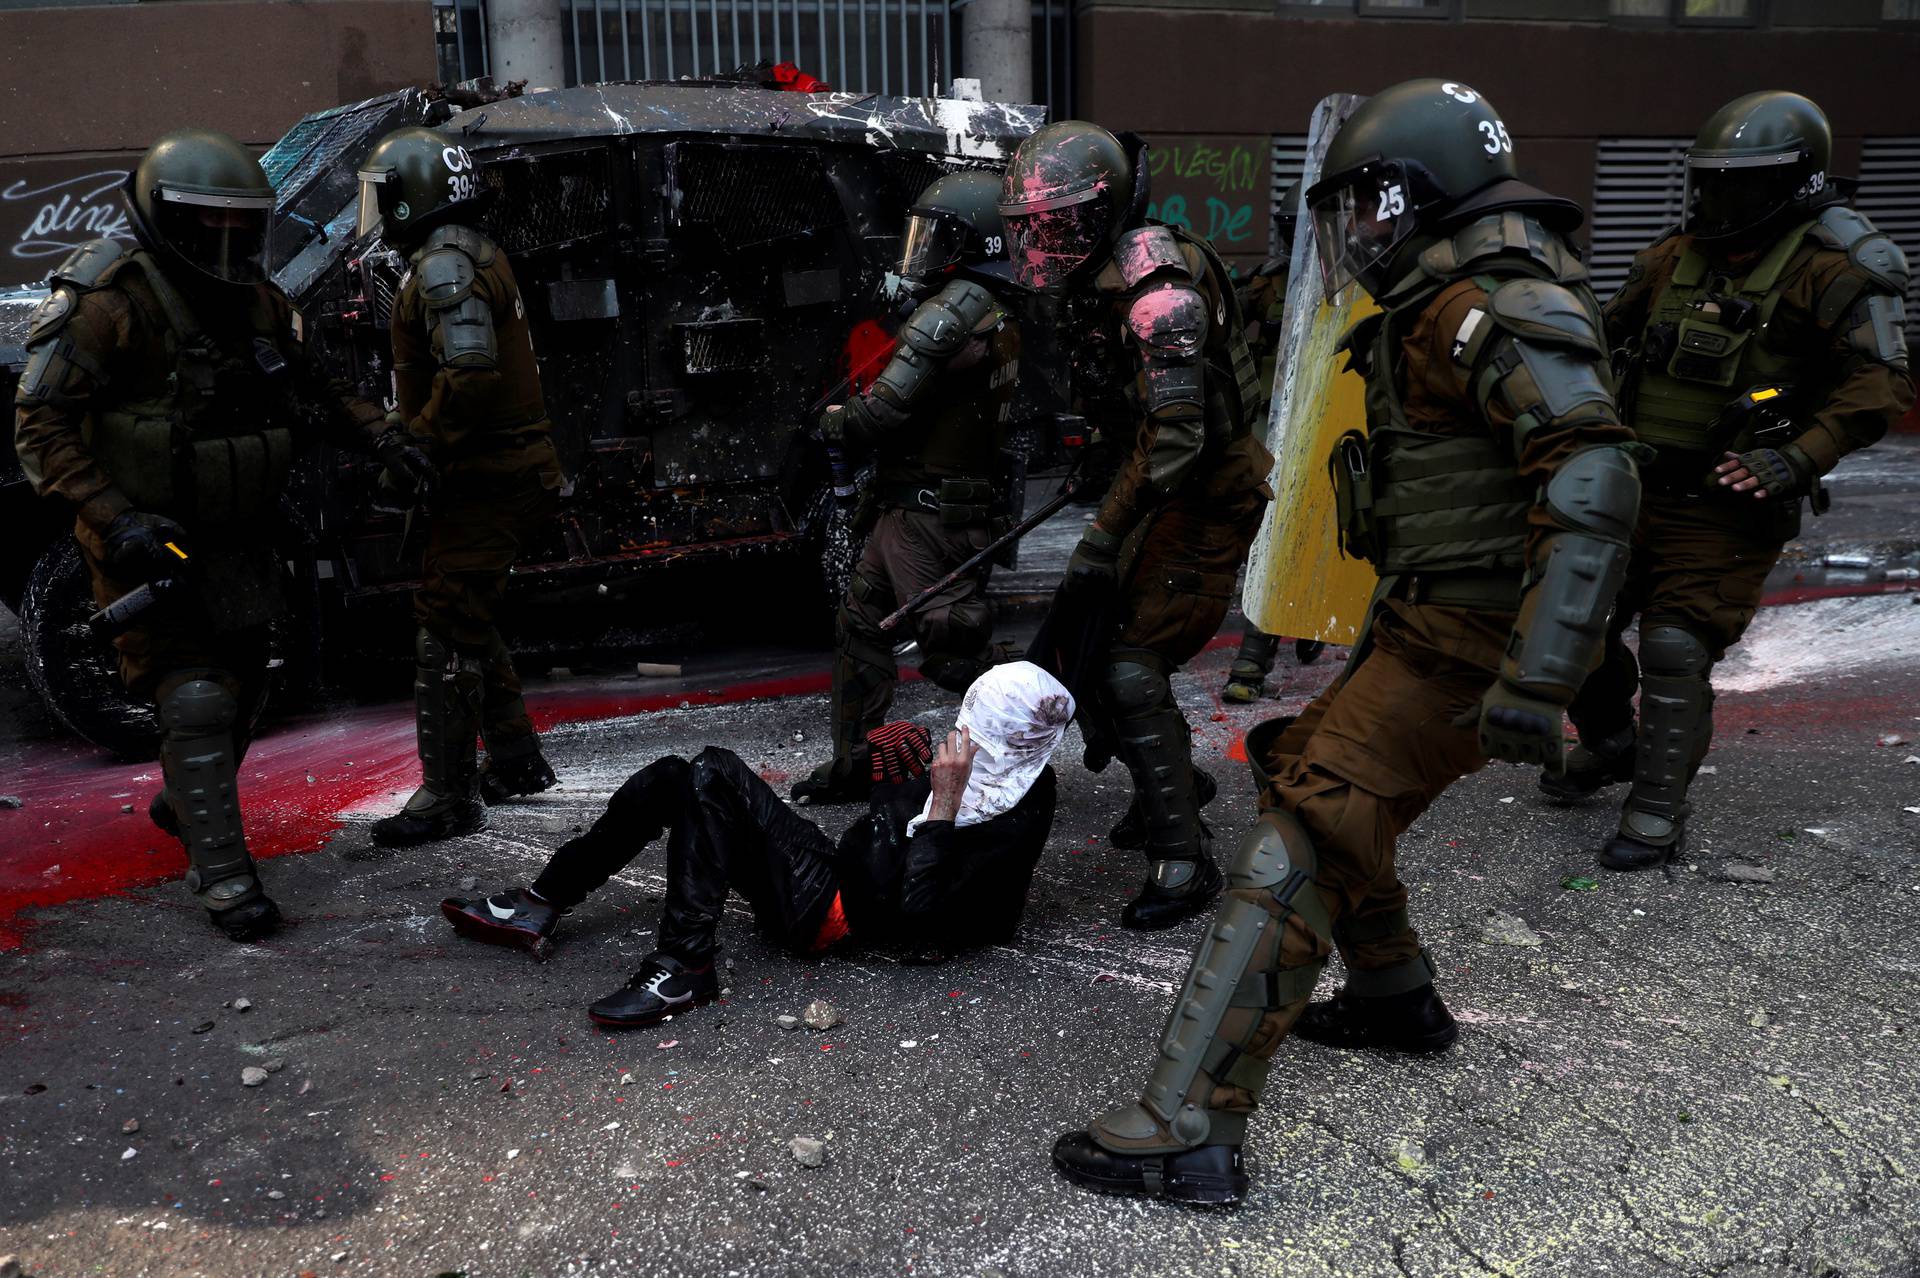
x=1705 y=345
x=215 y=444
x=1419 y=502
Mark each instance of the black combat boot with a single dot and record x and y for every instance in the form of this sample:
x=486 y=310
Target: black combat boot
x=198 y=759
x=1592 y=768
x=515 y=918
x=503 y=779
x=663 y=987
x=1206 y=1176
x=1415 y=1021
x=1247 y=677
x=1635 y=848
x=1308 y=651
x=160 y=812
x=834 y=782
x=446 y=690
x=1130 y=831
x=1174 y=892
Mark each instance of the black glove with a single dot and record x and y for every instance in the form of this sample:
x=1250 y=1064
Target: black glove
x=1518 y=727
x=833 y=425
x=1095 y=565
x=409 y=470
x=136 y=545
x=1769 y=474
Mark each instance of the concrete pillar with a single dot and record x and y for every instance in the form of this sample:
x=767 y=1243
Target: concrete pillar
x=997 y=48
x=523 y=43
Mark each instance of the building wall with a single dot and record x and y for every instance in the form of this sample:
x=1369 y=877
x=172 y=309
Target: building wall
x=1232 y=78
x=87 y=87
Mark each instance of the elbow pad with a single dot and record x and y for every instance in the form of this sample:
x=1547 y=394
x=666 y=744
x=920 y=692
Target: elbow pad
x=938 y=330
x=1593 y=501
x=462 y=323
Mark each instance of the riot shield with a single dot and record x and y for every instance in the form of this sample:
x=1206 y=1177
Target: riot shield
x=1298 y=583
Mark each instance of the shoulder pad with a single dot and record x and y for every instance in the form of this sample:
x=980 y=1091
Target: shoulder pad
x=469 y=241
x=1880 y=258
x=1548 y=314
x=1146 y=249
x=446 y=275
x=1508 y=232
x=51 y=315
x=940 y=326
x=1840 y=227
x=1170 y=320
x=89 y=265
x=971 y=302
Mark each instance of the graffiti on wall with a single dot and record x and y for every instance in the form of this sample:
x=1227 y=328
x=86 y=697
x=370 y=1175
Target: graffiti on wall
x=50 y=207
x=1218 y=187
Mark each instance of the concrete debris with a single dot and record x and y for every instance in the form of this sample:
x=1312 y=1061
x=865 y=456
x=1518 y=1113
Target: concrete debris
x=787 y=1022
x=1892 y=739
x=625 y=1079
x=241 y=1005
x=1506 y=929
x=131 y=1126
x=9 y=801
x=306 y=1085
x=127 y=1153
x=808 y=1151
x=252 y=1076
x=821 y=1015
x=657 y=669
x=469 y=884
x=1411 y=1155
x=275 y=1065
x=203 y=1027
x=1760 y=1019
x=126 y=807
x=1738 y=872
x=276 y=1194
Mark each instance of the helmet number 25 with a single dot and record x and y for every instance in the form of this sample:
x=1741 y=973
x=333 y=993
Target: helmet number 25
x=1497 y=139
x=1393 y=202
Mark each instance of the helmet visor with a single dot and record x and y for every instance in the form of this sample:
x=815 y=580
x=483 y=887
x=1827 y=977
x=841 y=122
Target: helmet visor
x=1048 y=245
x=934 y=242
x=1359 y=218
x=224 y=235
x=1726 y=196
x=372 y=210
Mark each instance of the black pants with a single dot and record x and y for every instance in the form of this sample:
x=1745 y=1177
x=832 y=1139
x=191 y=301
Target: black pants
x=726 y=828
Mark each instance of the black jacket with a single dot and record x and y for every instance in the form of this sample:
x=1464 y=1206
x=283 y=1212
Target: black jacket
x=948 y=887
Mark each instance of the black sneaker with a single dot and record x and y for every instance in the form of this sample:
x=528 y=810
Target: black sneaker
x=1206 y=1176
x=663 y=987
x=503 y=779
x=1157 y=908
x=1130 y=831
x=1416 y=1022
x=517 y=918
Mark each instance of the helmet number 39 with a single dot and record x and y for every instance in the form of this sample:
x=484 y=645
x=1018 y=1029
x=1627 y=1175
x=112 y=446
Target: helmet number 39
x=460 y=176
x=1496 y=134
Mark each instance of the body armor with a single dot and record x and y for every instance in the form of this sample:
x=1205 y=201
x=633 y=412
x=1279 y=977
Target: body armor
x=1710 y=339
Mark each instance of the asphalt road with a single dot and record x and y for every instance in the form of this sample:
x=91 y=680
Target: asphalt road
x=1686 y=1073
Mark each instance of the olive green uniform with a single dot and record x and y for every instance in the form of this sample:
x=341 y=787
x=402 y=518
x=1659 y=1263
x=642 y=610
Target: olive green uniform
x=1493 y=458
x=934 y=420
x=468 y=390
x=1817 y=311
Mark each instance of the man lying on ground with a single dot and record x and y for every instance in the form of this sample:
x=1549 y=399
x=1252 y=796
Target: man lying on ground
x=941 y=862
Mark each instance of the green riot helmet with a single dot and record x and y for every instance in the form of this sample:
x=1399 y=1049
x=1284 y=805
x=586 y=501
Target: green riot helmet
x=200 y=198
x=1757 y=161
x=1065 y=199
x=412 y=181
x=1409 y=160
x=954 y=225
x=1286 y=219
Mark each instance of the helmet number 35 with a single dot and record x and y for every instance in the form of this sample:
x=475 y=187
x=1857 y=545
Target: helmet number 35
x=1496 y=135
x=460 y=176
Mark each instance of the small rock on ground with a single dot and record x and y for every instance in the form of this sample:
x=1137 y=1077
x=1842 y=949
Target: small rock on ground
x=807 y=1151
x=1506 y=929
x=787 y=1022
x=821 y=1015
x=252 y=1076
x=1738 y=872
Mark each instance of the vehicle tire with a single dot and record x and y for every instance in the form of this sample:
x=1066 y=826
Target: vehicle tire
x=76 y=675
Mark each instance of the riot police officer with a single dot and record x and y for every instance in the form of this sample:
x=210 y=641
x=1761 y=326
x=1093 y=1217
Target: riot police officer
x=1162 y=367
x=166 y=392
x=468 y=398
x=1496 y=493
x=1762 y=340
x=933 y=421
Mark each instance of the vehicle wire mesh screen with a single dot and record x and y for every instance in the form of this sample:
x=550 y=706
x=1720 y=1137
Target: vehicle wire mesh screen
x=904 y=174
x=723 y=346
x=751 y=194
x=318 y=141
x=545 y=201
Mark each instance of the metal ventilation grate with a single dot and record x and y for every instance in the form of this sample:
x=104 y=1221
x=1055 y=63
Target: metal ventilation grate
x=1289 y=163
x=723 y=346
x=1890 y=195
x=1636 y=199
x=752 y=194
x=544 y=201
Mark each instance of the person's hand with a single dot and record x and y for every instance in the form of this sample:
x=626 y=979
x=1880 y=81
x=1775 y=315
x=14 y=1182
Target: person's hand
x=409 y=470
x=1095 y=564
x=952 y=765
x=137 y=546
x=1770 y=474
x=833 y=425
x=1518 y=727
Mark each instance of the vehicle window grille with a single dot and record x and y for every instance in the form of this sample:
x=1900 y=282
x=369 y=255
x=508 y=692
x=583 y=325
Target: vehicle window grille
x=723 y=346
x=545 y=201
x=904 y=174
x=752 y=194
x=317 y=143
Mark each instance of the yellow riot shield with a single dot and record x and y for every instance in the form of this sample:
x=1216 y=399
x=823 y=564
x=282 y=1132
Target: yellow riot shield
x=1298 y=583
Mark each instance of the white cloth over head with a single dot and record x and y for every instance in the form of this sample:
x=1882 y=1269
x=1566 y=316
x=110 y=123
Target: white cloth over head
x=1016 y=714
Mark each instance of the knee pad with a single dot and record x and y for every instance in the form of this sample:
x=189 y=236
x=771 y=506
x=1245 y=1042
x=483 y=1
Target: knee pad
x=1137 y=689
x=1673 y=652
x=1272 y=850
x=198 y=708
